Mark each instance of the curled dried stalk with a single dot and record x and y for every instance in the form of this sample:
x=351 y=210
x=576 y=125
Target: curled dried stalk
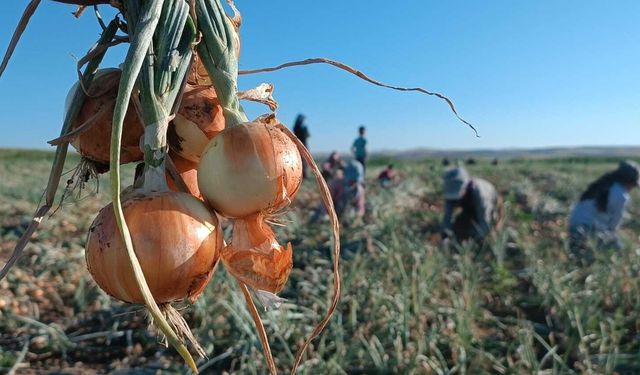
x=345 y=67
x=335 y=229
x=61 y=151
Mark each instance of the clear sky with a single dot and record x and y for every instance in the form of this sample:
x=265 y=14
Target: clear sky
x=526 y=73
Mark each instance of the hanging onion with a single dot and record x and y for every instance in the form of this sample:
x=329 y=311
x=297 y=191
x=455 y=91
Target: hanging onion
x=198 y=120
x=253 y=167
x=177 y=241
x=255 y=257
x=188 y=170
x=96 y=116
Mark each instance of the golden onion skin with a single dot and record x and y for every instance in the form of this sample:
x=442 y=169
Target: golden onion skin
x=95 y=143
x=188 y=170
x=198 y=120
x=250 y=168
x=176 y=239
x=255 y=257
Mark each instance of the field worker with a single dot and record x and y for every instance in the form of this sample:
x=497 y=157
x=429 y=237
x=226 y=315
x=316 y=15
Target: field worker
x=359 y=147
x=599 y=212
x=337 y=189
x=387 y=176
x=332 y=165
x=354 y=195
x=477 y=200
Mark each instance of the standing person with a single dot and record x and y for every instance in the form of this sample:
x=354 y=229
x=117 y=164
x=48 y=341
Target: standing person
x=478 y=200
x=599 y=212
x=302 y=132
x=359 y=148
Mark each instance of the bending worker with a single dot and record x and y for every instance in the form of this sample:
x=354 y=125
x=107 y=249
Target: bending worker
x=477 y=200
x=599 y=212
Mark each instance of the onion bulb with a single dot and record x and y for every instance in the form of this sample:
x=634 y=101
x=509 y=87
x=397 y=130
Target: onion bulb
x=94 y=143
x=188 y=170
x=255 y=257
x=176 y=239
x=198 y=120
x=253 y=167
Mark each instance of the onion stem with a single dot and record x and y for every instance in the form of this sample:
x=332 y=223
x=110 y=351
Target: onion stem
x=217 y=51
x=146 y=24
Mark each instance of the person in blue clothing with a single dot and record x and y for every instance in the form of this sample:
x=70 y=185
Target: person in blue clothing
x=359 y=147
x=599 y=212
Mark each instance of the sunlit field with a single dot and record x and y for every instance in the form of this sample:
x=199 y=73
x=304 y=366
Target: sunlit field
x=515 y=306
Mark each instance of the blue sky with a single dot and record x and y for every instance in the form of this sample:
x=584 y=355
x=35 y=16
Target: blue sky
x=526 y=73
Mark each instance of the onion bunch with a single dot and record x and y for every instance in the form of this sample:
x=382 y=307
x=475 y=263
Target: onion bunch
x=176 y=98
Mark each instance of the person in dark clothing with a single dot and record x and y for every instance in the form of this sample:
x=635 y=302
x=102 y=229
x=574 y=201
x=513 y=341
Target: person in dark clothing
x=302 y=132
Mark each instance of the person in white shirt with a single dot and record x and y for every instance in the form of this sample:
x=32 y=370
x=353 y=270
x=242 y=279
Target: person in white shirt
x=599 y=212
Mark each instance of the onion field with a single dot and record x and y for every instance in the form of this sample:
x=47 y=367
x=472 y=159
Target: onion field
x=408 y=305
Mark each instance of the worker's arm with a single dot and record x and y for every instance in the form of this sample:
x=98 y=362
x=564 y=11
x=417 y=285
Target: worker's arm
x=447 y=219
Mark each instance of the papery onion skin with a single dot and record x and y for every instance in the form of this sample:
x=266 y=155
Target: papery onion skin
x=250 y=168
x=188 y=170
x=255 y=257
x=198 y=76
x=198 y=120
x=176 y=239
x=94 y=144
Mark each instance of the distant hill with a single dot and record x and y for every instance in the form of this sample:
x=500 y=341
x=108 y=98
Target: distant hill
x=537 y=153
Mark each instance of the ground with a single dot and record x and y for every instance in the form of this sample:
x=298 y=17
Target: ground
x=517 y=305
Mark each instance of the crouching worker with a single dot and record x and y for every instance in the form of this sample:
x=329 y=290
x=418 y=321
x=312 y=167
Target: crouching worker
x=387 y=177
x=599 y=212
x=337 y=189
x=354 y=195
x=477 y=202
x=348 y=192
